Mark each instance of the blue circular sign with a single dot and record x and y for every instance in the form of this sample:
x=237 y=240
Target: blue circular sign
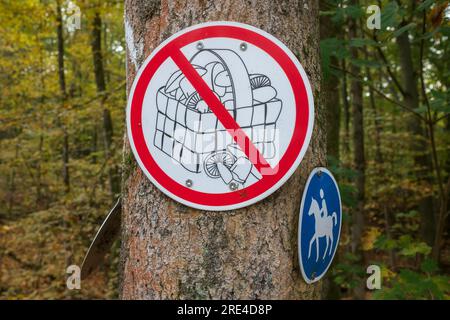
x=319 y=225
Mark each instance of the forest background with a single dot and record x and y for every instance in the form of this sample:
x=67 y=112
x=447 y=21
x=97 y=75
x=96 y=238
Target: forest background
x=62 y=122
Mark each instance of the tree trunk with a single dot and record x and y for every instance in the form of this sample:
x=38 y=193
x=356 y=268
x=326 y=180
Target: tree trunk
x=63 y=93
x=96 y=45
x=422 y=160
x=376 y=120
x=331 y=102
x=345 y=103
x=356 y=90
x=172 y=251
x=330 y=88
x=60 y=39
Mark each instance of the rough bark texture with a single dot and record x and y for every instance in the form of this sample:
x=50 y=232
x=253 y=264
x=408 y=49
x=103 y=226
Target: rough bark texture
x=172 y=251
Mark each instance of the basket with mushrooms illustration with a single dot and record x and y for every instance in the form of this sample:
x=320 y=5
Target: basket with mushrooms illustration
x=190 y=133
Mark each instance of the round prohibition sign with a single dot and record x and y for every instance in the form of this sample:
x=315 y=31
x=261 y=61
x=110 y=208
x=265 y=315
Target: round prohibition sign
x=271 y=177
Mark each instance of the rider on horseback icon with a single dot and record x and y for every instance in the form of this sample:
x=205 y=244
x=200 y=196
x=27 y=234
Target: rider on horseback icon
x=323 y=226
x=324 y=209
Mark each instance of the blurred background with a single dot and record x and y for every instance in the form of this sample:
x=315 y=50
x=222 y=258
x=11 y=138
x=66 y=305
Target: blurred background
x=62 y=115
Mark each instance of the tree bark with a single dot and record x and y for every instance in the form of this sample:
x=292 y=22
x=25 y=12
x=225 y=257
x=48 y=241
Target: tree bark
x=96 y=46
x=376 y=120
x=60 y=39
x=330 y=88
x=63 y=93
x=346 y=104
x=172 y=251
x=356 y=90
x=422 y=160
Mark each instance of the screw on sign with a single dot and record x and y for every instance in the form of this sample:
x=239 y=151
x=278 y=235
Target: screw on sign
x=220 y=115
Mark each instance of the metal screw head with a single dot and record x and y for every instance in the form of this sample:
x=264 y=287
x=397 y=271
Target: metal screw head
x=200 y=45
x=189 y=183
x=233 y=186
x=313 y=275
x=319 y=173
x=243 y=46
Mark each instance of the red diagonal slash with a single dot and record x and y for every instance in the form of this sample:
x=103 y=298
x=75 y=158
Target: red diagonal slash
x=221 y=112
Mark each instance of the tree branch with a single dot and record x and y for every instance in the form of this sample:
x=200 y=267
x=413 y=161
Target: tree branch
x=388 y=68
x=381 y=93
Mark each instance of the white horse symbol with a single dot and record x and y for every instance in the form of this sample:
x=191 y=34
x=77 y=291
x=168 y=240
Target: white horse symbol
x=324 y=225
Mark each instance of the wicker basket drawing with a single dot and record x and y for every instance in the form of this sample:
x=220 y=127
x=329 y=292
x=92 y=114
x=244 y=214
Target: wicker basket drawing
x=189 y=133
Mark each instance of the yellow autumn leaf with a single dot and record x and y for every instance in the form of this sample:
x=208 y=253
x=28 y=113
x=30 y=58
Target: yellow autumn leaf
x=369 y=238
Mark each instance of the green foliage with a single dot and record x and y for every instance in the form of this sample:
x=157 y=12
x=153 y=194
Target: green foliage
x=331 y=47
x=425 y=5
x=348 y=273
x=366 y=63
x=344 y=174
x=395 y=184
x=404 y=29
x=390 y=15
x=421 y=284
x=362 y=42
x=405 y=245
x=340 y=14
x=440 y=101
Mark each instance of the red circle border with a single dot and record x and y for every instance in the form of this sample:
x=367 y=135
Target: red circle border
x=290 y=155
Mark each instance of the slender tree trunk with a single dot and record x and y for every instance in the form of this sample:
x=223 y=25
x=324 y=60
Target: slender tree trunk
x=447 y=178
x=346 y=105
x=358 y=156
x=96 y=45
x=447 y=162
x=331 y=102
x=172 y=251
x=39 y=201
x=330 y=88
x=12 y=183
x=377 y=124
x=419 y=146
x=60 y=41
x=106 y=46
x=63 y=94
